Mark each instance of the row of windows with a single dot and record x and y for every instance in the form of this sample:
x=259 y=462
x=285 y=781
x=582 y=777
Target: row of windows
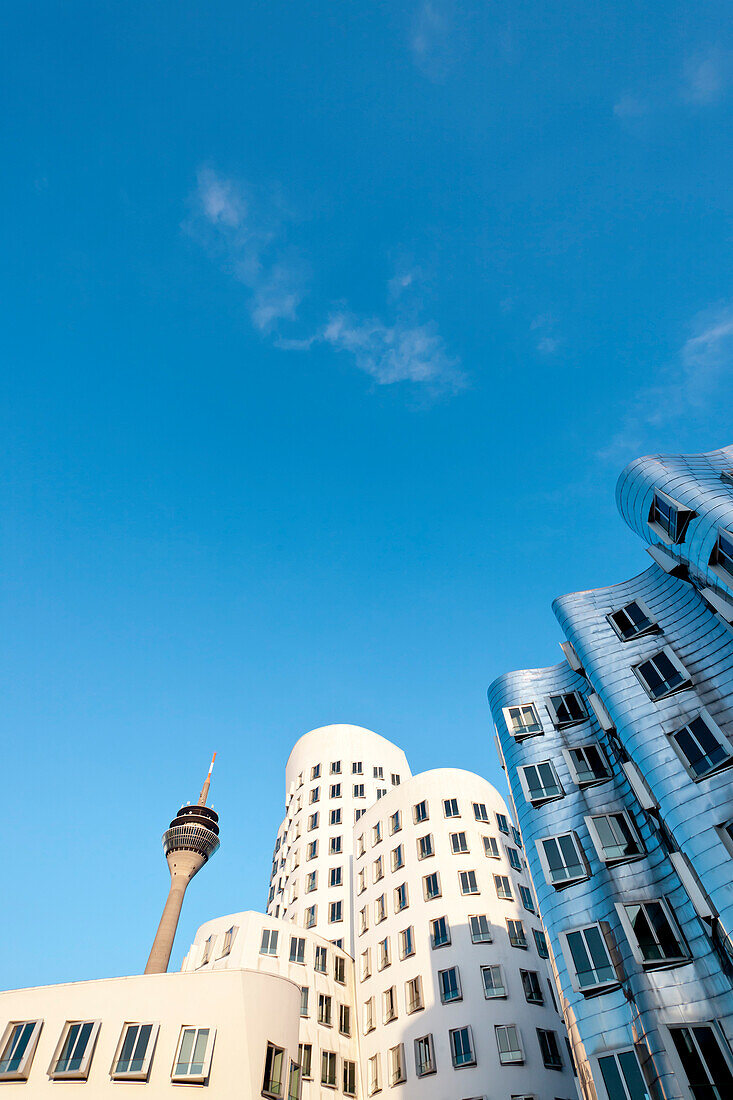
x=421 y=813
x=133 y=1056
x=329 y=1069
x=269 y=946
x=463 y=1053
x=357 y=768
x=432 y=889
x=614 y=838
x=324 y=1011
x=425 y=846
x=671 y=520
x=440 y=936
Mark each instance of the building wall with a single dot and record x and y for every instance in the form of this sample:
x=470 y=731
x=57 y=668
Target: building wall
x=488 y=1077
x=247 y=1009
x=677 y=815
x=205 y=955
x=322 y=748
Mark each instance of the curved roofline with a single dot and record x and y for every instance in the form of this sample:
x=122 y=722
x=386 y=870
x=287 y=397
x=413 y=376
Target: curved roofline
x=723 y=453
x=341 y=726
x=602 y=587
x=525 y=672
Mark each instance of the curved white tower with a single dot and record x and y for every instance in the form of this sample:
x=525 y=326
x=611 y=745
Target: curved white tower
x=333 y=775
x=454 y=995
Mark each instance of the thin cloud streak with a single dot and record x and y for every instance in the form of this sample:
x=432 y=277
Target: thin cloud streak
x=700 y=377
x=705 y=78
x=250 y=236
x=430 y=39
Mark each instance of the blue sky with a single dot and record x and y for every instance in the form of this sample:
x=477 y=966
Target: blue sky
x=328 y=328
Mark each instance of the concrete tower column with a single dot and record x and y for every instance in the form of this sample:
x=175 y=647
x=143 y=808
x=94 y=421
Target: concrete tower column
x=191 y=839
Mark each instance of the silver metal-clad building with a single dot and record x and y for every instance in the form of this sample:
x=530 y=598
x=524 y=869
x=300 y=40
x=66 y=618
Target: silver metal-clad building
x=619 y=763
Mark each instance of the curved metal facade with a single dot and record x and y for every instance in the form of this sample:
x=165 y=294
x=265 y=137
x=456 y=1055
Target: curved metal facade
x=657 y=692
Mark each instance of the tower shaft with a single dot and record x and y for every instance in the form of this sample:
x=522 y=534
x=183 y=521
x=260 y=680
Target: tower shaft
x=183 y=866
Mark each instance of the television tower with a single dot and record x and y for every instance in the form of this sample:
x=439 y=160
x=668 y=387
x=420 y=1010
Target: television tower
x=191 y=839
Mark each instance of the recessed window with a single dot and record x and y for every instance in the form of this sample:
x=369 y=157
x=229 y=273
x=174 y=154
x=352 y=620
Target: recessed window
x=567 y=709
x=669 y=518
x=461 y=1047
x=425 y=847
x=480 y=928
x=514 y=858
x=614 y=837
x=315 y=795
x=17 y=1048
x=366 y=964
x=395 y=780
x=522 y=721
x=321 y=959
x=652 y=932
x=373 y=1079
x=540 y=941
x=562 y=859
x=449 y=984
x=305 y=1057
x=357 y=768
x=540 y=782
x=517 y=935
x=268 y=944
x=508 y=1044
x=383 y=953
x=532 y=987
x=549 y=1049
x=632 y=620
x=503 y=887
x=376 y=833
x=704 y=1061
x=311 y=881
x=398 y=858
x=312 y=822
x=334 y=846
x=379 y=773
x=397 y=1064
x=526 y=897
x=312 y=850
x=380 y=909
x=439 y=932
x=349 y=1078
x=297 y=949
x=400 y=897
x=431 y=886
x=310 y=916
x=480 y=812
x=294 y=1077
x=304 y=1000
x=316 y=771
x=272 y=1082
x=424 y=1056
x=395 y=822
x=378 y=868
x=450 y=807
x=389 y=1005
x=413 y=994
x=493 y=982
x=336 y=767
x=193 y=1057
x=335 y=876
x=339 y=969
x=502 y=823
x=368 y=1015
x=588 y=764
x=458 y=843
x=363 y=920
x=74 y=1052
x=662 y=675
x=324 y=1009
x=591 y=961
x=420 y=812
x=335 y=912
x=358 y=790
x=721 y=559
x=334 y=818
x=702 y=746
x=328 y=1068
x=491 y=847
x=622 y=1076
x=407 y=942
x=230 y=933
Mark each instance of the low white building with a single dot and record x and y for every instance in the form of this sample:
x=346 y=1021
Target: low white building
x=235 y=1032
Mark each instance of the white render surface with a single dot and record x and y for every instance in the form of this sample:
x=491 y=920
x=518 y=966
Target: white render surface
x=247 y=1010
x=488 y=1078
x=346 y=745
x=246 y=945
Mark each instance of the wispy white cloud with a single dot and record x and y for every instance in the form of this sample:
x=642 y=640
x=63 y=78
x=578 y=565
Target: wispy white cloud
x=705 y=77
x=698 y=383
x=249 y=234
x=246 y=231
x=430 y=39
x=547 y=341
x=630 y=106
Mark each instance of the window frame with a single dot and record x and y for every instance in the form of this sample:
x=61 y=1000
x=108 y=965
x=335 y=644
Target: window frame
x=26 y=1059
x=721 y=571
x=636 y=951
x=613 y=861
x=562 y=884
x=444 y=1000
x=601 y=985
x=82 y=1073
x=201 y=1077
x=572 y=767
x=519 y=1047
x=142 y=1073
x=561 y=724
x=676 y=664
x=652 y=627
x=683 y=517
x=717 y=733
x=614 y=1055
x=524 y=732
x=543 y=799
x=265 y=1091
x=431 y=1063
x=470 y=1060
x=495 y=996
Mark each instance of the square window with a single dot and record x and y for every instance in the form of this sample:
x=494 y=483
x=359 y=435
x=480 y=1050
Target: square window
x=503 y=887
x=17 y=1048
x=491 y=847
x=336 y=767
x=420 y=812
x=632 y=620
x=74 y=1052
x=480 y=812
x=702 y=746
x=567 y=709
x=522 y=721
x=450 y=807
x=614 y=837
x=669 y=518
x=652 y=932
x=316 y=772
x=622 y=1076
x=704 y=1061
x=297 y=949
x=562 y=859
x=268 y=944
x=540 y=782
x=193 y=1056
x=588 y=764
x=357 y=768
x=662 y=675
